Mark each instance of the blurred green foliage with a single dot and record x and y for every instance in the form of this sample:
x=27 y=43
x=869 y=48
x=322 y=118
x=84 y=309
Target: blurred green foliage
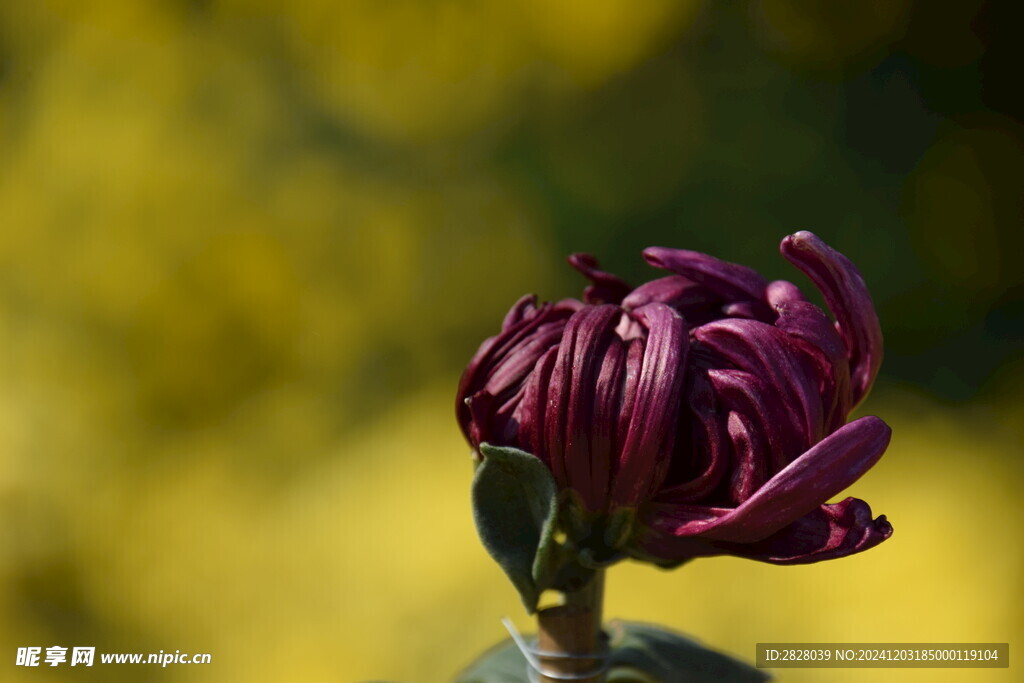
x=246 y=248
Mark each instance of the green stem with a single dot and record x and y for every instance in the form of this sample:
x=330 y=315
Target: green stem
x=574 y=629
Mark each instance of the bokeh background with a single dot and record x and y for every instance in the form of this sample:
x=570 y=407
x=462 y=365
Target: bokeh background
x=247 y=247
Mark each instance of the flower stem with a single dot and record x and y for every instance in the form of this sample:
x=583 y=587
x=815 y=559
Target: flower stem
x=573 y=630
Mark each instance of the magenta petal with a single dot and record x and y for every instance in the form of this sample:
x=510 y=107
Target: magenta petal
x=746 y=393
x=605 y=420
x=781 y=292
x=673 y=290
x=815 y=331
x=695 y=302
x=479 y=406
x=607 y=288
x=697 y=475
x=753 y=310
x=531 y=413
x=648 y=443
x=728 y=280
x=808 y=322
x=819 y=474
x=770 y=354
x=634 y=366
x=655 y=538
x=521 y=310
x=749 y=466
x=847 y=295
x=504 y=359
x=571 y=397
x=826 y=533
x=512 y=369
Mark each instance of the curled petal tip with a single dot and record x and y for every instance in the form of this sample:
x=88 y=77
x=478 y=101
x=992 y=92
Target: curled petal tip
x=520 y=311
x=728 y=280
x=872 y=428
x=606 y=288
x=803 y=240
x=847 y=296
x=801 y=237
x=830 y=532
x=653 y=255
x=581 y=260
x=824 y=470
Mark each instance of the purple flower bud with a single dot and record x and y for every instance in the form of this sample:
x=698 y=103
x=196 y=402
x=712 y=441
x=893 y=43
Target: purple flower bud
x=706 y=408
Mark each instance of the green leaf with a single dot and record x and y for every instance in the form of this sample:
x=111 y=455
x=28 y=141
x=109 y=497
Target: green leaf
x=515 y=506
x=644 y=653
x=503 y=663
x=640 y=653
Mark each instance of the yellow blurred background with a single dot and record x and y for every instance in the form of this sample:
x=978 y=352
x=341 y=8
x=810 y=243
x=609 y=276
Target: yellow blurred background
x=246 y=248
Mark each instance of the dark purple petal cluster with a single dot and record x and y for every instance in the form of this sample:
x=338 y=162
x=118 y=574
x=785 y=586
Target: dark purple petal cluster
x=707 y=408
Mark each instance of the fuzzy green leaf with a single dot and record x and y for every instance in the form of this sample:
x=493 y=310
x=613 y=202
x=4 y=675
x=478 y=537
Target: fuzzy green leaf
x=515 y=506
x=640 y=653
x=503 y=663
x=644 y=653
